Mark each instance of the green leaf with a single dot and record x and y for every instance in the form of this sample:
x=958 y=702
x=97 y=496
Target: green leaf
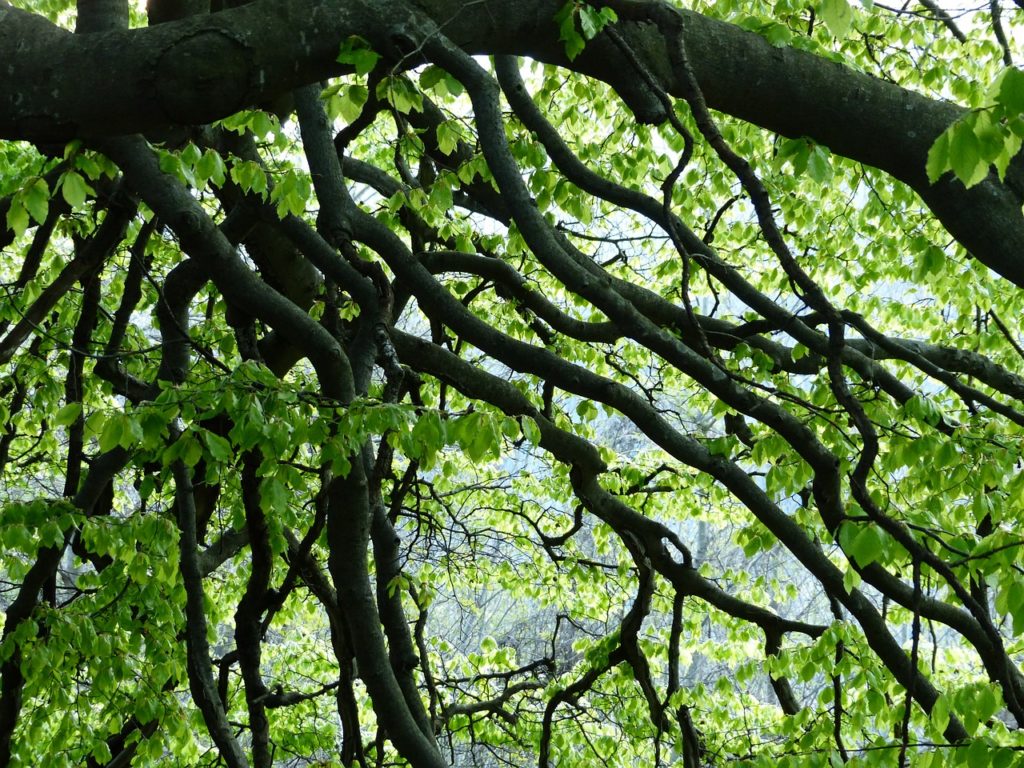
x=291 y=194
x=74 y=189
x=779 y=35
x=347 y=101
x=147 y=486
x=940 y=714
x=938 y=156
x=37 y=199
x=441 y=197
x=592 y=20
x=851 y=580
x=191 y=450
x=924 y=409
x=797 y=152
x=431 y=76
x=447 y=137
x=1010 y=90
x=1011 y=146
x=113 y=428
x=17 y=537
x=211 y=166
x=51 y=534
x=191 y=155
x=219 y=448
x=453 y=86
x=867 y=545
x=401 y=94
x=932 y=262
x=429 y=431
x=989 y=136
x=1013 y=603
x=567 y=32
x=273 y=495
x=357 y=52
x=17 y=215
x=531 y=430
x=261 y=123
x=68 y=414
x=586 y=410
x=977 y=755
x=987 y=702
x=249 y=176
x=477 y=434
x=965 y=155
x=101 y=752
x=819 y=165
x=837 y=15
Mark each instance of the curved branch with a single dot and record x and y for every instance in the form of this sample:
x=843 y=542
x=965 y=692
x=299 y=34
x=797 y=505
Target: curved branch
x=210 y=66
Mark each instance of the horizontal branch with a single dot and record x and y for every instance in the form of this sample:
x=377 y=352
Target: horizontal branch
x=59 y=86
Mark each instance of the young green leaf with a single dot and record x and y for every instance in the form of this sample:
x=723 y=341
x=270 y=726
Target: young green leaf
x=359 y=54
x=567 y=32
x=211 y=167
x=837 y=15
x=37 y=199
x=867 y=545
x=447 y=137
x=17 y=215
x=68 y=414
x=1010 y=90
x=965 y=154
x=592 y=20
x=938 y=156
x=219 y=448
x=819 y=165
x=74 y=189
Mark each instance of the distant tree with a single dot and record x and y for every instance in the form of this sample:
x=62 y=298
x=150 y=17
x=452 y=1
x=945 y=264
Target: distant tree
x=511 y=382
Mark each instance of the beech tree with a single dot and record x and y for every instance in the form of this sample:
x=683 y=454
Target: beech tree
x=519 y=382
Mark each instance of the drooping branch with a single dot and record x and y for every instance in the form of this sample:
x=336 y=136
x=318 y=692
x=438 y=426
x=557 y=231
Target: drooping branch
x=248 y=629
x=435 y=300
x=581 y=277
x=349 y=512
x=200 y=674
x=88 y=257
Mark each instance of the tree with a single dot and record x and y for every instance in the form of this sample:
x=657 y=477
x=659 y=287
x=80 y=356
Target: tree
x=511 y=383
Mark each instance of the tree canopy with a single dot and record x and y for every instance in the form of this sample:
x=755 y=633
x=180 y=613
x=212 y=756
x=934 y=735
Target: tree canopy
x=511 y=383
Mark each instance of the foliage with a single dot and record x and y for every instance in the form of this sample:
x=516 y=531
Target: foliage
x=396 y=423
x=990 y=135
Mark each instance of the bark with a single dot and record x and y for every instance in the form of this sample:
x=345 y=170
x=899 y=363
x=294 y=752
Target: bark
x=200 y=672
x=248 y=617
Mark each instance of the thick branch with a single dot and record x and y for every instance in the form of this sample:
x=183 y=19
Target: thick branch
x=59 y=86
